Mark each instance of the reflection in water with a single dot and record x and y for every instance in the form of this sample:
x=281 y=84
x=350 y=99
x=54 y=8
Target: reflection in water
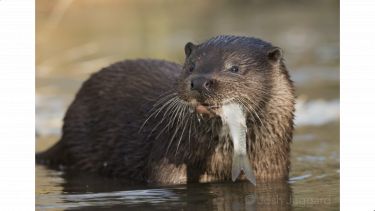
x=92 y=192
x=244 y=196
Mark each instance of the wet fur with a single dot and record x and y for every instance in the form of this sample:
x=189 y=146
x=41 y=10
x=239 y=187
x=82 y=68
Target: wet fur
x=131 y=119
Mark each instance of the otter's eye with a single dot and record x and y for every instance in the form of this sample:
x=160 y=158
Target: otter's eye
x=191 y=67
x=234 y=69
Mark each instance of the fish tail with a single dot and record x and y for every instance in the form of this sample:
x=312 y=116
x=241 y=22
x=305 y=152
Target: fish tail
x=241 y=162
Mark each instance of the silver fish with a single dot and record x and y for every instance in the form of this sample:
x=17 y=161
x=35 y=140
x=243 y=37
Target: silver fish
x=234 y=118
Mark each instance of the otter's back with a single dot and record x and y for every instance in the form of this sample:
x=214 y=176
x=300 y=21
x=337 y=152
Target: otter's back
x=101 y=126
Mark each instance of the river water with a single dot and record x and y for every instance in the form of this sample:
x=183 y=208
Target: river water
x=76 y=38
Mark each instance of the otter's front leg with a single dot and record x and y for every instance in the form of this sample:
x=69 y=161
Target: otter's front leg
x=166 y=172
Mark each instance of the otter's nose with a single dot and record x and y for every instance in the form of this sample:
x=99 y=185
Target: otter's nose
x=201 y=83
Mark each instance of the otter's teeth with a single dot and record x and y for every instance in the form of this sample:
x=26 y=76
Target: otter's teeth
x=234 y=117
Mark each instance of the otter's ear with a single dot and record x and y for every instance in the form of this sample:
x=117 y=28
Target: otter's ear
x=189 y=47
x=275 y=54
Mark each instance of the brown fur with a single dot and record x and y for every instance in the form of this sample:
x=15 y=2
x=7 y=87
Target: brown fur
x=133 y=119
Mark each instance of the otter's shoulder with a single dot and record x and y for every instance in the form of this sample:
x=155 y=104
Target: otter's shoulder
x=130 y=74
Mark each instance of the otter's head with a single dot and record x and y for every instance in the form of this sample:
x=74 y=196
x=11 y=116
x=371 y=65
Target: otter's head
x=228 y=69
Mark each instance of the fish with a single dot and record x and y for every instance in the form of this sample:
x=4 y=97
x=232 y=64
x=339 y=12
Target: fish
x=233 y=117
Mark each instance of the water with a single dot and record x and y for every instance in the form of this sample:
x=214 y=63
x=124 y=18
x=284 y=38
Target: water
x=76 y=38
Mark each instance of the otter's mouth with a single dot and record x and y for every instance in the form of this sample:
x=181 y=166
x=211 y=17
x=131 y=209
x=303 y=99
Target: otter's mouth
x=205 y=108
x=211 y=106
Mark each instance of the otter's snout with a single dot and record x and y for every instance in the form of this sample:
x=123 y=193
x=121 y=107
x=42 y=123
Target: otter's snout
x=201 y=84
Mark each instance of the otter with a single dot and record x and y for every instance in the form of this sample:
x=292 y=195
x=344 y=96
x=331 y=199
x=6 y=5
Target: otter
x=227 y=113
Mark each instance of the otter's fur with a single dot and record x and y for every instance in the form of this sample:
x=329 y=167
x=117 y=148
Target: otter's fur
x=135 y=120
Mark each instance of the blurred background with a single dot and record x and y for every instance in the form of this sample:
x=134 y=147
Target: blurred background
x=75 y=38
